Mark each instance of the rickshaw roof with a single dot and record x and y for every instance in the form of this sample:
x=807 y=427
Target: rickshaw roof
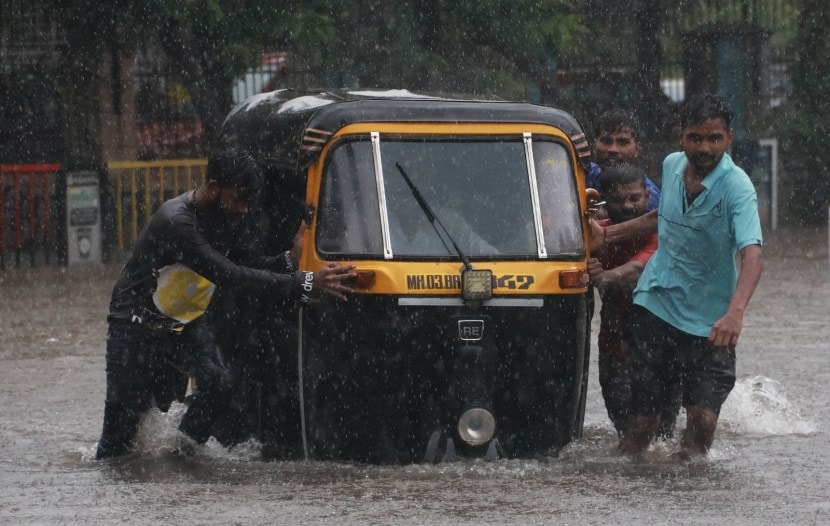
x=287 y=128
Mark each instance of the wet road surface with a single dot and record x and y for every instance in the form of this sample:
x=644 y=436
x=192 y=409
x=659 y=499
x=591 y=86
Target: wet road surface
x=770 y=463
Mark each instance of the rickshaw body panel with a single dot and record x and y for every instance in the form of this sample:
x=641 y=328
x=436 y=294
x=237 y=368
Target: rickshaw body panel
x=385 y=376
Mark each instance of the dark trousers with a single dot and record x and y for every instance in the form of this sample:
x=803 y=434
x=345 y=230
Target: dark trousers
x=665 y=356
x=616 y=389
x=614 y=379
x=146 y=369
x=616 y=342
x=265 y=399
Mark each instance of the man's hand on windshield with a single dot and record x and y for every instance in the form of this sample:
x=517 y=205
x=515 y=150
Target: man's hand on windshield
x=329 y=279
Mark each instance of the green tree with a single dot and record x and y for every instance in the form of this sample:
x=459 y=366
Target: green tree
x=84 y=22
x=809 y=123
x=479 y=47
x=208 y=42
x=482 y=47
x=618 y=61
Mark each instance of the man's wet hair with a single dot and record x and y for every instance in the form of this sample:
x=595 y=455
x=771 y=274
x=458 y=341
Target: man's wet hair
x=233 y=168
x=704 y=106
x=614 y=121
x=620 y=174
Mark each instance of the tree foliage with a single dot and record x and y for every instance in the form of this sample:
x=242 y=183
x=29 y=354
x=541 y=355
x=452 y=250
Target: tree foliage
x=478 y=47
x=809 y=123
x=503 y=47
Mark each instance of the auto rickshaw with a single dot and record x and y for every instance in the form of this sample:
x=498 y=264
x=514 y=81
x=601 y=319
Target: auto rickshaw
x=467 y=332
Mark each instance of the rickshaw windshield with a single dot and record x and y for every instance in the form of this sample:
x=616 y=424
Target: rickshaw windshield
x=479 y=189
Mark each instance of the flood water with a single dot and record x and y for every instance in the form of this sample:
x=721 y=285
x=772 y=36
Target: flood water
x=770 y=463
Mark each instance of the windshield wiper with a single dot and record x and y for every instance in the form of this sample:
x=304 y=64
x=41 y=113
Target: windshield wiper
x=433 y=219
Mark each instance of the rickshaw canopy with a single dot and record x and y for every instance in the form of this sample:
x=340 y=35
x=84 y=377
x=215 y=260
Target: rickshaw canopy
x=287 y=128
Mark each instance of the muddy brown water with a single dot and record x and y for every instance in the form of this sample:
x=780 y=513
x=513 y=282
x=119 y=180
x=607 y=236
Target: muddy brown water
x=769 y=465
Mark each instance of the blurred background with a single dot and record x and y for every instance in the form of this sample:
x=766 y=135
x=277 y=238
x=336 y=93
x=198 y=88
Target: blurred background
x=135 y=91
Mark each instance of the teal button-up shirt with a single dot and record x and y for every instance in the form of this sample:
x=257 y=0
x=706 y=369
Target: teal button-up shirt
x=690 y=280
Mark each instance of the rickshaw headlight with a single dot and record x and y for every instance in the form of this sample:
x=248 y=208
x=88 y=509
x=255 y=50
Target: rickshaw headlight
x=476 y=426
x=477 y=284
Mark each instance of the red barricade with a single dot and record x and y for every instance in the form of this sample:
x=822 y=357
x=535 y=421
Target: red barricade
x=26 y=193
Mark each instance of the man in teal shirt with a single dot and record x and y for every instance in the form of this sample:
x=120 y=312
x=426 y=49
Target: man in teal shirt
x=691 y=297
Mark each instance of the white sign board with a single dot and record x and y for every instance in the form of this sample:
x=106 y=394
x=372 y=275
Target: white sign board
x=83 y=218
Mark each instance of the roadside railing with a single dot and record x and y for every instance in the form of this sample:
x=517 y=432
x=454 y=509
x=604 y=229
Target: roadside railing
x=33 y=200
x=27 y=192
x=140 y=187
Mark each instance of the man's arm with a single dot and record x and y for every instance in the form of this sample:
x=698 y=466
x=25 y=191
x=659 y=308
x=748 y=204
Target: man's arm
x=625 y=275
x=726 y=330
x=602 y=236
x=199 y=255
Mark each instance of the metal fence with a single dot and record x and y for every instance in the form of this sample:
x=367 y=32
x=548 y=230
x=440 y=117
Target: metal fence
x=140 y=187
x=33 y=206
x=27 y=218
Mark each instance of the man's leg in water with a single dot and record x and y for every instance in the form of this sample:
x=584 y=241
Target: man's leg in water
x=668 y=415
x=700 y=430
x=652 y=374
x=614 y=382
x=129 y=389
x=203 y=362
x=638 y=434
x=709 y=378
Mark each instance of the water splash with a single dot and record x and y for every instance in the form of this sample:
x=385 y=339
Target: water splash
x=759 y=406
x=158 y=435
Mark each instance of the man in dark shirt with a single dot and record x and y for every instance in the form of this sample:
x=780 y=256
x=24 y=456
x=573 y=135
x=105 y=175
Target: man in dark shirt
x=157 y=334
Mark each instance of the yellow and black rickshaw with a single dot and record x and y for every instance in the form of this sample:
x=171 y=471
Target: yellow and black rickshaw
x=467 y=331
